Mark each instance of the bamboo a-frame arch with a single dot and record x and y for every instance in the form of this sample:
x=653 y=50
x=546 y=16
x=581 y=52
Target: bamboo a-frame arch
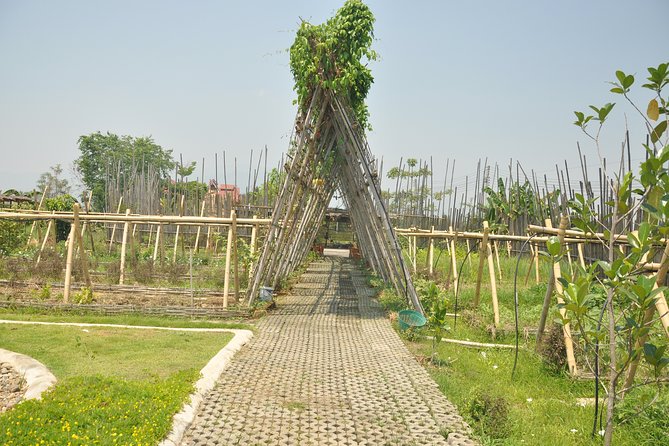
x=329 y=152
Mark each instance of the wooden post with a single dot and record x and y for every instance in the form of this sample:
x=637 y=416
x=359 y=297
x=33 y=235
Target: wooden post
x=199 y=228
x=228 y=259
x=430 y=255
x=113 y=233
x=126 y=228
x=454 y=262
x=569 y=346
x=491 y=273
x=469 y=258
x=70 y=254
x=482 y=256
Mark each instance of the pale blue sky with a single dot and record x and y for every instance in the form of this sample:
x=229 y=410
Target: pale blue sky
x=463 y=80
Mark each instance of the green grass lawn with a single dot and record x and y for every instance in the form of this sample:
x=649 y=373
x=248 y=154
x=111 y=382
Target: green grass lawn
x=116 y=385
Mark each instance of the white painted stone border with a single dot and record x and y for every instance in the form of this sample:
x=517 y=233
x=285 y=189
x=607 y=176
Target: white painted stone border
x=210 y=373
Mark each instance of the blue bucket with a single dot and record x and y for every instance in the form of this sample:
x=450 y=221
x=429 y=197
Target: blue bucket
x=266 y=294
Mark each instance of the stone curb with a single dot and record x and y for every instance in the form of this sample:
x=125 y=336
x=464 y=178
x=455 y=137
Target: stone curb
x=37 y=372
x=38 y=377
x=210 y=374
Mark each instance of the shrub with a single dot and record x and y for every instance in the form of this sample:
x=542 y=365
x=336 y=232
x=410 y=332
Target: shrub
x=12 y=236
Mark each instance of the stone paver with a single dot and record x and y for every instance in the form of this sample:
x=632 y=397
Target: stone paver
x=327 y=369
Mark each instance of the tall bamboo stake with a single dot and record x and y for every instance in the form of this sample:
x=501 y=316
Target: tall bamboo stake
x=118 y=211
x=491 y=273
x=228 y=259
x=482 y=257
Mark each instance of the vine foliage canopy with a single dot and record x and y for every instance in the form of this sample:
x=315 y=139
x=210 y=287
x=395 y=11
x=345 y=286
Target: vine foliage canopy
x=334 y=56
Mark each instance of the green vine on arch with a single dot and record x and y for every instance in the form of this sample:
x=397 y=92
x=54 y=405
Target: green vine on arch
x=334 y=55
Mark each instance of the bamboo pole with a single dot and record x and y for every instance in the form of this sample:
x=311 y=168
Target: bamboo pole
x=454 y=265
x=199 y=228
x=39 y=207
x=228 y=259
x=491 y=273
x=126 y=228
x=482 y=256
x=569 y=346
x=157 y=242
x=70 y=254
x=233 y=226
x=82 y=253
x=176 y=233
x=254 y=244
x=49 y=227
x=581 y=257
x=430 y=255
x=118 y=211
x=499 y=266
x=537 y=278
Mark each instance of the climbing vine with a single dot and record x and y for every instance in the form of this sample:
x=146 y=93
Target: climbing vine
x=334 y=56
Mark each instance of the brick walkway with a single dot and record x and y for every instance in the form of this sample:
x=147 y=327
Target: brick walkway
x=326 y=369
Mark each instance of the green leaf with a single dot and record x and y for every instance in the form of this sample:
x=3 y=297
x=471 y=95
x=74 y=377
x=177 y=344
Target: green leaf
x=621 y=76
x=553 y=245
x=658 y=131
x=617 y=90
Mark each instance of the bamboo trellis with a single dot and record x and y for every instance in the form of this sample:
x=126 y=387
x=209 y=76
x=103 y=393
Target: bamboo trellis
x=329 y=152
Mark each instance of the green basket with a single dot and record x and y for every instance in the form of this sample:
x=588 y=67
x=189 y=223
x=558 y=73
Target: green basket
x=410 y=318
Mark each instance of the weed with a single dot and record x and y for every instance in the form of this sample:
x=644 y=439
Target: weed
x=43 y=293
x=490 y=413
x=143 y=272
x=83 y=296
x=553 y=351
x=50 y=266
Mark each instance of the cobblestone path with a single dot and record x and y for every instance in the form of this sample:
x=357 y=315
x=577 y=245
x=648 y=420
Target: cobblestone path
x=326 y=369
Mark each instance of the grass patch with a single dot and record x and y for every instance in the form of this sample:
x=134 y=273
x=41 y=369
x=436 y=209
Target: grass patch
x=116 y=385
x=542 y=403
x=535 y=406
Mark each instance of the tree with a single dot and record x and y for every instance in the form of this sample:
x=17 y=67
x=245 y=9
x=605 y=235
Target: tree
x=53 y=182
x=612 y=304
x=110 y=155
